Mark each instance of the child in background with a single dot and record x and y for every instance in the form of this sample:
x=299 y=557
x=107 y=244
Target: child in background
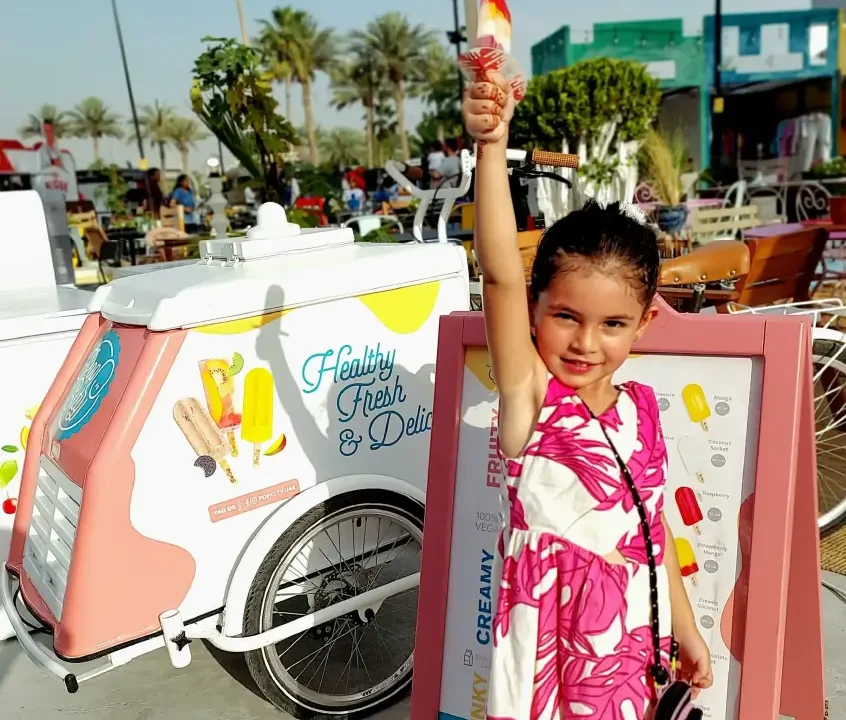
x=578 y=631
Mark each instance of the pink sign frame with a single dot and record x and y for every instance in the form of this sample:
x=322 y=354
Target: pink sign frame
x=780 y=631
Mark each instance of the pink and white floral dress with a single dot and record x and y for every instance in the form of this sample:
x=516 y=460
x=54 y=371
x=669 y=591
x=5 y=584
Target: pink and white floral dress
x=572 y=631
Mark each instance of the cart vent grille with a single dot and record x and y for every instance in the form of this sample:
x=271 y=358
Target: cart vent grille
x=52 y=531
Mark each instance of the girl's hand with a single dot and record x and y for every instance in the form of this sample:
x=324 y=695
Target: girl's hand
x=488 y=108
x=695 y=660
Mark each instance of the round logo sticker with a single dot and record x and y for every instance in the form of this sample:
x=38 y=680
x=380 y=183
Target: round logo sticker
x=90 y=387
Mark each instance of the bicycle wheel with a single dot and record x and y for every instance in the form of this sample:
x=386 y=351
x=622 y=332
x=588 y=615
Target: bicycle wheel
x=829 y=357
x=357 y=663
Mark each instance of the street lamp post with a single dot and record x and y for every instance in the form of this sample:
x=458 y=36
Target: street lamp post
x=142 y=159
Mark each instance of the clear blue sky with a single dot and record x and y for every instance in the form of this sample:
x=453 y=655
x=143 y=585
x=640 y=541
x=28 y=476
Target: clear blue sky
x=60 y=51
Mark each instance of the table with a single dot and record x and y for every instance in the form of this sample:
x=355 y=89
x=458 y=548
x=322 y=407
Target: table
x=127 y=238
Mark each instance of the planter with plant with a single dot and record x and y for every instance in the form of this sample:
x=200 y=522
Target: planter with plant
x=600 y=109
x=233 y=96
x=662 y=161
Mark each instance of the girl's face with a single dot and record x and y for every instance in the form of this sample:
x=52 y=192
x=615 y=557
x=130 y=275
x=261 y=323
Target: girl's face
x=585 y=324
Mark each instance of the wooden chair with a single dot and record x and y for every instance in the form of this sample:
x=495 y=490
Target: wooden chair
x=173 y=217
x=782 y=267
x=725 y=223
x=765 y=271
x=103 y=250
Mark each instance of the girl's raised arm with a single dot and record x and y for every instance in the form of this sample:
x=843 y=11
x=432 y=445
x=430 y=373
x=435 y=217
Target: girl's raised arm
x=488 y=108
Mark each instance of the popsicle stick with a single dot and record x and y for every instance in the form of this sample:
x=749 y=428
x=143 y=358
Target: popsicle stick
x=693 y=580
x=256 y=454
x=696 y=529
x=233 y=445
x=704 y=425
x=228 y=470
x=700 y=477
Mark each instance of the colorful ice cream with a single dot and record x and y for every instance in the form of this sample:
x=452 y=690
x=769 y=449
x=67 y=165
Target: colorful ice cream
x=219 y=388
x=696 y=404
x=491 y=51
x=692 y=455
x=687 y=560
x=257 y=425
x=494 y=29
x=689 y=509
x=202 y=433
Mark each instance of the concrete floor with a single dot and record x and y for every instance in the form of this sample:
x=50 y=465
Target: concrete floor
x=150 y=689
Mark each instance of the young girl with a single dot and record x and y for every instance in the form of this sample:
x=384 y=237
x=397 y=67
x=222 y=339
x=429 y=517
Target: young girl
x=574 y=630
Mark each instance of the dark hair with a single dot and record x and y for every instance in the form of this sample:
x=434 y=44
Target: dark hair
x=179 y=180
x=436 y=145
x=452 y=144
x=604 y=237
x=151 y=172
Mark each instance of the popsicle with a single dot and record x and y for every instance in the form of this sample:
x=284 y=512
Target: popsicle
x=219 y=388
x=257 y=425
x=491 y=50
x=696 y=404
x=202 y=432
x=691 y=513
x=692 y=455
x=687 y=560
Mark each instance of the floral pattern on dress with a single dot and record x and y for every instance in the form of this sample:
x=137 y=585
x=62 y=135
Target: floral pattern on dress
x=572 y=633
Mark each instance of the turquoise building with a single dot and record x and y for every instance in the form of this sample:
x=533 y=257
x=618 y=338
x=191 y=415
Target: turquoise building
x=774 y=66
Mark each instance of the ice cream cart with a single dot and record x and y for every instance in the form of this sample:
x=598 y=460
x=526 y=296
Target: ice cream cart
x=38 y=323
x=236 y=451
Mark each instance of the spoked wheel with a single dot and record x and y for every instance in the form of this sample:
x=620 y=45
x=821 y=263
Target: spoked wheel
x=358 y=662
x=829 y=355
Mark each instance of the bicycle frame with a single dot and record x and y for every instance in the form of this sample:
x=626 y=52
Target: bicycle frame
x=396 y=170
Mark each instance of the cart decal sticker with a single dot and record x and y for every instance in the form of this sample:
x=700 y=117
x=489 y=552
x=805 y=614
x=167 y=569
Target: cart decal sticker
x=404 y=310
x=90 y=387
x=370 y=396
x=243 y=325
x=254 y=500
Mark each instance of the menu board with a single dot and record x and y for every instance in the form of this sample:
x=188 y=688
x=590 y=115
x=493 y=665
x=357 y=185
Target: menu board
x=735 y=399
x=709 y=415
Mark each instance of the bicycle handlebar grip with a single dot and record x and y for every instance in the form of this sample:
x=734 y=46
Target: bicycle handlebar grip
x=554 y=159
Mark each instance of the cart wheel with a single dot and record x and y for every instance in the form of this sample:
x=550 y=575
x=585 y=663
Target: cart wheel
x=357 y=663
x=829 y=357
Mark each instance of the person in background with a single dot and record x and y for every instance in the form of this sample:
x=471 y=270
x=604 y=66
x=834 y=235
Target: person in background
x=156 y=196
x=435 y=158
x=183 y=195
x=448 y=174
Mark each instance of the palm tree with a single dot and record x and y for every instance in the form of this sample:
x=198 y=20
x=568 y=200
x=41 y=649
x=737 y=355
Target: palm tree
x=357 y=81
x=310 y=50
x=401 y=49
x=93 y=119
x=342 y=146
x=277 y=39
x=34 y=125
x=184 y=134
x=440 y=90
x=155 y=124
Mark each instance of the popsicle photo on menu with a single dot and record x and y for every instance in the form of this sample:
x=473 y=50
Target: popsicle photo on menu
x=696 y=404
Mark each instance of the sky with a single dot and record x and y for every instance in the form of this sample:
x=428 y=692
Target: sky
x=60 y=51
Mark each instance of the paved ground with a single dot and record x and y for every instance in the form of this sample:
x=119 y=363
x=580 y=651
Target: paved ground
x=149 y=688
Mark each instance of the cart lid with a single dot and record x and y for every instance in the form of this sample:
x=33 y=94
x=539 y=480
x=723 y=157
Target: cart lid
x=29 y=312
x=278 y=265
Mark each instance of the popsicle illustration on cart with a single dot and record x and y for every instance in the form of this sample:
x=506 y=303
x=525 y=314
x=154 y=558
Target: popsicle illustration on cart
x=696 y=404
x=219 y=387
x=257 y=423
x=491 y=50
x=204 y=436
